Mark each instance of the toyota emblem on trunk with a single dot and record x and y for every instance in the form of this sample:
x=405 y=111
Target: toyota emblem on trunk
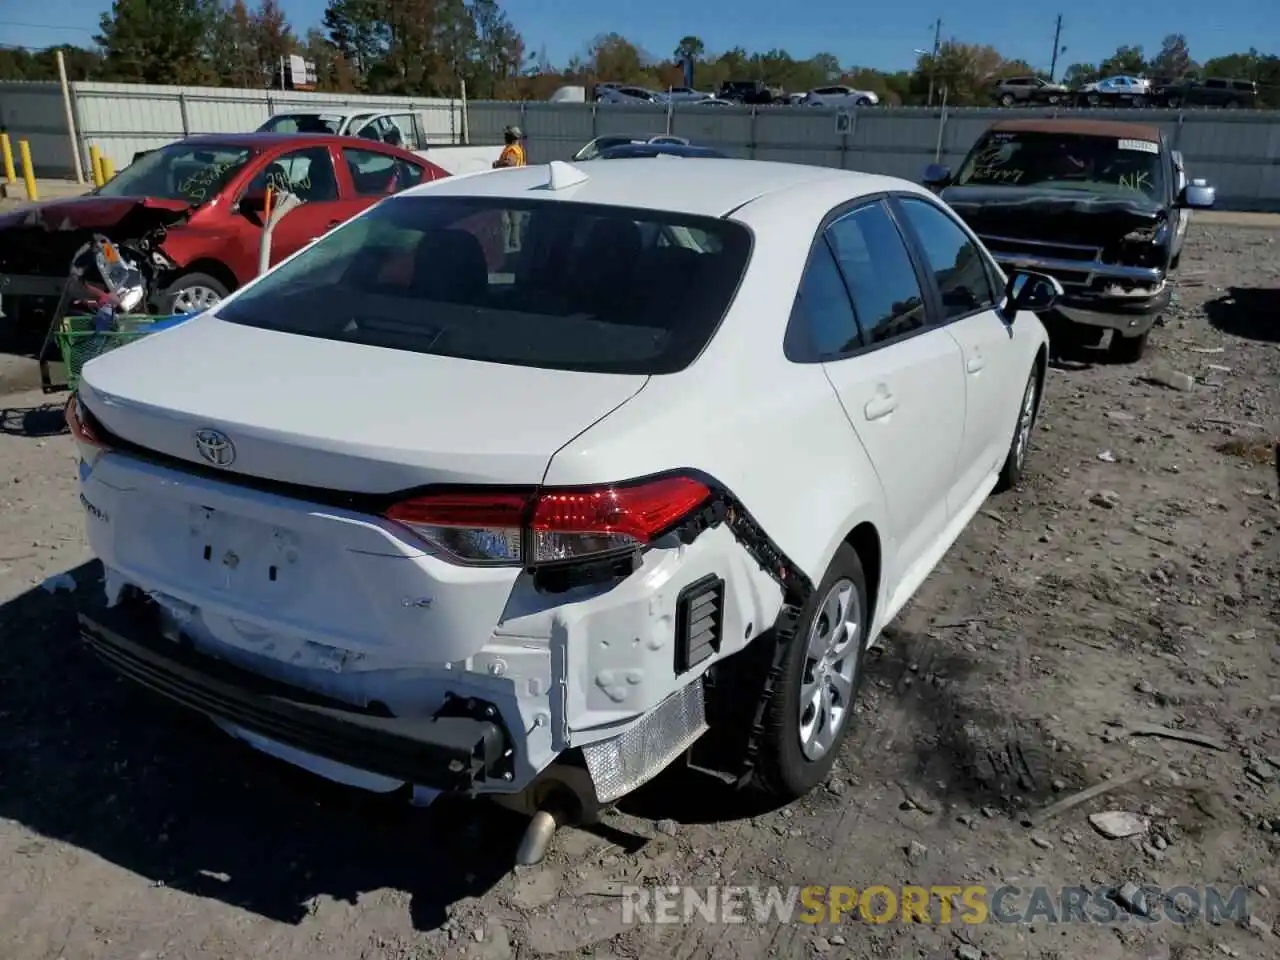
x=215 y=447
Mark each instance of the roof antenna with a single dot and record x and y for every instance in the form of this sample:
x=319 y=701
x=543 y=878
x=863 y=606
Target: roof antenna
x=563 y=175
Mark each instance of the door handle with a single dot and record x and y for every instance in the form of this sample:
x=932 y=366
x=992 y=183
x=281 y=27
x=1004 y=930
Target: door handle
x=975 y=363
x=881 y=405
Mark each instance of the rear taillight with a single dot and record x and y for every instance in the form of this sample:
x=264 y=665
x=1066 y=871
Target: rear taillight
x=80 y=423
x=529 y=527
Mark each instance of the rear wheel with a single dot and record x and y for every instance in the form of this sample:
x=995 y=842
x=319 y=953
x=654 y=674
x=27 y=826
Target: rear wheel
x=812 y=706
x=193 y=293
x=1127 y=349
x=1020 y=446
x=1006 y=100
x=862 y=102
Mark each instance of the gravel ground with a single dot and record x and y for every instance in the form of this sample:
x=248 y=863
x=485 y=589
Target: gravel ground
x=1131 y=582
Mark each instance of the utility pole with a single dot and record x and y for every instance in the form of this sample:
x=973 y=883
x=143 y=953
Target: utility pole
x=1057 y=36
x=933 y=61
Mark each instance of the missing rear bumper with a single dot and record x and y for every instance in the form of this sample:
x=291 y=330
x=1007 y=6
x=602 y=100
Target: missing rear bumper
x=459 y=749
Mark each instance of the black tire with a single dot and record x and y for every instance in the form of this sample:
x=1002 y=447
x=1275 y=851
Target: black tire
x=1006 y=100
x=1173 y=103
x=1015 y=460
x=862 y=102
x=184 y=287
x=783 y=769
x=1127 y=349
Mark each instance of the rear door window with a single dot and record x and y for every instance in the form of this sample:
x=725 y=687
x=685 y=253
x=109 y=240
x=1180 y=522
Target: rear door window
x=959 y=268
x=548 y=284
x=374 y=174
x=879 y=273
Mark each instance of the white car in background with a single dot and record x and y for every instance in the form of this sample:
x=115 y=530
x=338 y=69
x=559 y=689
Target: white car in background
x=600 y=144
x=627 y=94
x=1132 y=90
x=406 y=129
x=686 y=95
x=454 y=499
x=839 y=96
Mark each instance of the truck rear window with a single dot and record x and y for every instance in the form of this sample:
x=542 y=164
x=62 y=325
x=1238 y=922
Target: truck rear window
x=545 y=284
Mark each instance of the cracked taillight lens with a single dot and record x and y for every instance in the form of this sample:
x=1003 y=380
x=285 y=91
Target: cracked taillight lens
x=529 y=527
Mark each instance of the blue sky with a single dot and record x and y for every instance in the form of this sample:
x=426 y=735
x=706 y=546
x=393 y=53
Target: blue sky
x=873 y=35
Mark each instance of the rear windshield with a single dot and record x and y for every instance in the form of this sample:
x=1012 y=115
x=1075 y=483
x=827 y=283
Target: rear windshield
x=302 y=123
x=542 y=284
x=1067 y=161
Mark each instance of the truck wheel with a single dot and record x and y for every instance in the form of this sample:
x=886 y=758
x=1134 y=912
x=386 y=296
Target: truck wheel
x=1093 y=100
x=1006 y=100
x=812 y=706
x=1173 y=103
x=1127 y=349
x=1020 y=445
x=192 y=293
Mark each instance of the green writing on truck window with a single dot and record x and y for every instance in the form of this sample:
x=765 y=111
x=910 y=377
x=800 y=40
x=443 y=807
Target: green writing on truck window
x=1138 y=180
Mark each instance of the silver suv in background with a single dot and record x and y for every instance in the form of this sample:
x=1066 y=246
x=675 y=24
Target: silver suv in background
x=1028 y=90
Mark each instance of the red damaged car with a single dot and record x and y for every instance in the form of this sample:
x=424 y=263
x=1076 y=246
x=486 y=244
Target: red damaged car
x=190 y=215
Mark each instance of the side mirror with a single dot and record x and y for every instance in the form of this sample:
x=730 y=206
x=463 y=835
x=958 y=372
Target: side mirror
x=936 y=175
x=1036 y=292
x=1197 y=195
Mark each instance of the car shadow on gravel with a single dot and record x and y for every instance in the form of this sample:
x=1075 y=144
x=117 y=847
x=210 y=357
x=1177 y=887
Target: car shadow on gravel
x=966 y=748
x=99 y=763
x=1252 y=313
x=45 y=420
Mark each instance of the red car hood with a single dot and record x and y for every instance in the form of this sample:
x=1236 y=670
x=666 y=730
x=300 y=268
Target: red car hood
x=89 y=213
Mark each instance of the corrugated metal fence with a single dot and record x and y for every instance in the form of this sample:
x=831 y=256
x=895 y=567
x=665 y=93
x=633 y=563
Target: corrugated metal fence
x=1238 y=151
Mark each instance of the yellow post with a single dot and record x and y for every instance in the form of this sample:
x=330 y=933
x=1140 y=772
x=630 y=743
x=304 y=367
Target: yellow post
x=28 y=171
x=95 y=163
x=108 y=168
x=10 y=176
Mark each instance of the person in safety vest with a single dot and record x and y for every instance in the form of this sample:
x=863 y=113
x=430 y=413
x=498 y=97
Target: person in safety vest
x=513 y=153
x=512 y=156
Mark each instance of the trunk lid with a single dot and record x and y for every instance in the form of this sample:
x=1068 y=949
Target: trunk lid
x=342 y=416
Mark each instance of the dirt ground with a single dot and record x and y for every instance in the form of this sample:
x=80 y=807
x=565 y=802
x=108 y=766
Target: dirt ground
x=1133 y=581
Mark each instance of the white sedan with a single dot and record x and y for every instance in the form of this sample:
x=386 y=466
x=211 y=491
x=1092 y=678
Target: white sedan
x=524 y=483
x=840 y=97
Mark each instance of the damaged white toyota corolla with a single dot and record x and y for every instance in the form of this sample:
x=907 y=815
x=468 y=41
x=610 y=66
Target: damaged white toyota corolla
x=528 y=483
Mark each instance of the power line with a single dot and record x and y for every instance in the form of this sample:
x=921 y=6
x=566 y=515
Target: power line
x=45 y=26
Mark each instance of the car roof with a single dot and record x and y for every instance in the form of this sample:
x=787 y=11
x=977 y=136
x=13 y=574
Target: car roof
x=630 y=150
x=712 y=187
x=265 y=141
x=331 y=112
x=1088 y=128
